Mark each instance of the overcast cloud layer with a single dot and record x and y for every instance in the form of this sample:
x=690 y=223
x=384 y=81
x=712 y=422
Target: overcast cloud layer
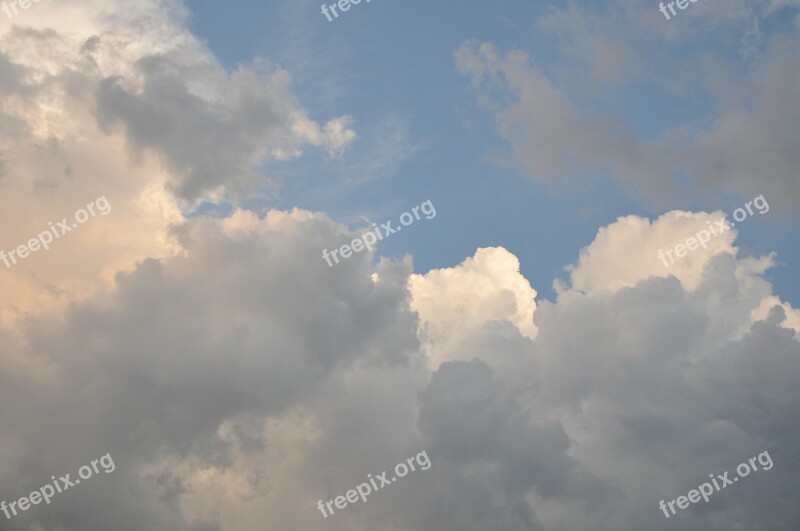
x=236 y=379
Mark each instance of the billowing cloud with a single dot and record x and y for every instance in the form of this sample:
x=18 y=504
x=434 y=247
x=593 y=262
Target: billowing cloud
x=244 y=400
x=155 y=370
x=454 y=302
x=237 y=379
x=129 y=105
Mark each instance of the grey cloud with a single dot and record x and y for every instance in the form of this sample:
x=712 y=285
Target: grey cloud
x=250 y=361
x=208 y=143
x=143 y=75
x=656 y=420
x=750 y=147
x=154 y=368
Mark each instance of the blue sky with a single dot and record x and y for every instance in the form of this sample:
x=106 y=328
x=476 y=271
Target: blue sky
x=391 y=66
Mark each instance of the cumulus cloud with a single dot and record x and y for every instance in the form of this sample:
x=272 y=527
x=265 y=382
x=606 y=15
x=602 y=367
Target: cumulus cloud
x=130 y=105
x=640 y=240
x=243 y=400
x=626 y=252
x=158 y=372
x=486 y=287
x=236 y=379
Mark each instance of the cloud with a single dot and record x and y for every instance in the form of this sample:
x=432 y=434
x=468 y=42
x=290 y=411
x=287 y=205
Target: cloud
x=214 y=141
x=639 y=240
x=230 y=403
x=154 y=370
x=130 y=105
x=454 y=302
x=626 y=252
x=236 y=379
x=563 y=124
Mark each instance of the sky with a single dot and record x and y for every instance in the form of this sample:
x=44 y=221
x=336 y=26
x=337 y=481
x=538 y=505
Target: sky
x=535 y=339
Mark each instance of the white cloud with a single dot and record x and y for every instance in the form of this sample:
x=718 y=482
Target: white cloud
x=454 y=302
x=626 y=251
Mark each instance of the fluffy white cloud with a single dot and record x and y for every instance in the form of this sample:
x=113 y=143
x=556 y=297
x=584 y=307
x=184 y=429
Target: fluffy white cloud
x=627 y=251
x=453 y=302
